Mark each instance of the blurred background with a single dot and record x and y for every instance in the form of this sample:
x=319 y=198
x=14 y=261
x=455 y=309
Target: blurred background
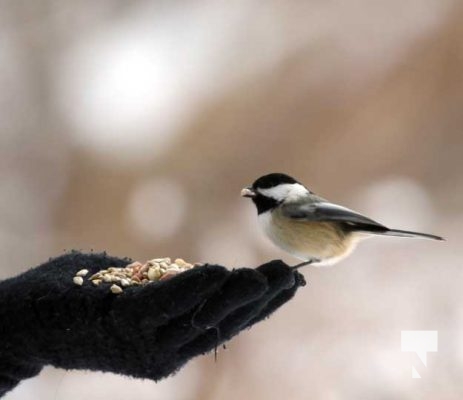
x=131 y=127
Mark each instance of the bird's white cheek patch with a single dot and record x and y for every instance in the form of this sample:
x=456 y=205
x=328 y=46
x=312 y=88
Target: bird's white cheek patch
x=285 y=191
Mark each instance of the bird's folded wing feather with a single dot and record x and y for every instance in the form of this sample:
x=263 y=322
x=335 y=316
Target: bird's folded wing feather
x=325 y=211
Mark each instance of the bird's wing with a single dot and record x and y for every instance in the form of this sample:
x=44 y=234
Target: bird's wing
x=326 y=211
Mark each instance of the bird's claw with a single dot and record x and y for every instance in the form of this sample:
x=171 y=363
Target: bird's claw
x=303 y=264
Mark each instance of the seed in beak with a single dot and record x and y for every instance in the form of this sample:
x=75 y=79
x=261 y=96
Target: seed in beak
x=248 y=192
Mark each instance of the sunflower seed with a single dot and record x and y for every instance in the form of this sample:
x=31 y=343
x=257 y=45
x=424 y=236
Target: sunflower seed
x=78 y=280
x=115 y=289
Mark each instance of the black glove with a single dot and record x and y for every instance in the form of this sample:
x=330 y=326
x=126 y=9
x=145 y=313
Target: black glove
x=147 y=331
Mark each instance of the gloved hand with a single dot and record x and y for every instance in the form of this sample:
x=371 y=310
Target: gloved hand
x=147 y=331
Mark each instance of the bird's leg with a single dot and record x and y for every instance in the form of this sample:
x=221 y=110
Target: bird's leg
x=303 y=264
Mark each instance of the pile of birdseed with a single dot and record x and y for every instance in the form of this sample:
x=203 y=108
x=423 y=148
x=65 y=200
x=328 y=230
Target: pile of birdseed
x=136 y=273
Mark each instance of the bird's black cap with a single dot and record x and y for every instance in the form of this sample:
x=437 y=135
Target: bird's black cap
x=272 y=180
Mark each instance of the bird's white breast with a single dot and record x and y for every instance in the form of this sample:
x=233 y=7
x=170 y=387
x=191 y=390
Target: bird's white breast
x=265 y=221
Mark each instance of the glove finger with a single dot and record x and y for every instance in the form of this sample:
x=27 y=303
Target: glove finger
x=157 y=303
x=278 y=301
x=243 y=286
x=235 y=295
x=278 y=273
x=240 y=318
x=279 y=278
x=140 y=311
x=266 y=306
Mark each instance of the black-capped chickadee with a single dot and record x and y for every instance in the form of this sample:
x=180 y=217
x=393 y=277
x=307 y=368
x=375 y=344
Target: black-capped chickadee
x=308 y=226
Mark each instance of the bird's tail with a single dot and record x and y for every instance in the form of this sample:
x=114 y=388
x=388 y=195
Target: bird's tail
x=400 y=233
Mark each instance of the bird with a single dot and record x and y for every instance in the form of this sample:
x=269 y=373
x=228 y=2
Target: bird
x=310 y=227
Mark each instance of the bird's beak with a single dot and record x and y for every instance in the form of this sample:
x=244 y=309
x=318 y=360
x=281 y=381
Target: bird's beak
x=248 y=192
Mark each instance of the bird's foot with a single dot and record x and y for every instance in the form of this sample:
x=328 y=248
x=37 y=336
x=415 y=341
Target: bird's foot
x=308 y=262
